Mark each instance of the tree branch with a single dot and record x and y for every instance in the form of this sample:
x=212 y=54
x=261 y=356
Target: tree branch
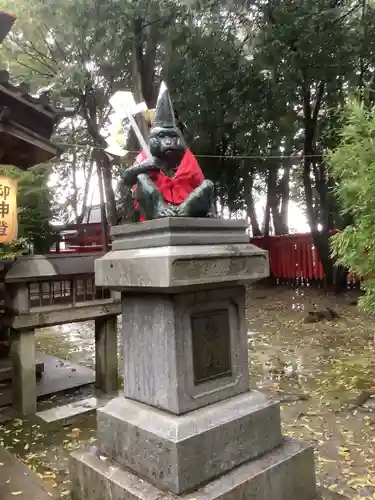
x=318 y=102
x=41 y=55
x=52 y=56
x=350 y=11
x=55 y=40
x=30 y=68
x=33 y=55
x=155 y=21
x=306 y=94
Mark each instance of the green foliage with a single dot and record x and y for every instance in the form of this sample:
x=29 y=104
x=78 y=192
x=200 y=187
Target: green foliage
x=12 y=250
x=35 y=209
x=353 y=165
x=251 y=78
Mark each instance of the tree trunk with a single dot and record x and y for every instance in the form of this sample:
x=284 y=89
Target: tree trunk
x=146 y=37
x=125 y=209
x=86 y=192
x=267 y=220
x=90 y=111
x=103 y=218
x=137 y=75
x=251 y=213
x=321 y=242
x=320 y=238
x=145 y=42
x=278 y=197
x=249 y=200
x=75 y=187
x=272 y=200
x=285 y=199
x=106 y=172
x=340 y=280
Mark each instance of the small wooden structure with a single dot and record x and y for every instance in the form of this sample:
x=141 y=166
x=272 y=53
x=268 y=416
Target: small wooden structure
x=86 y=234
x=42 y=291
x=89 y=232
x=50 y=290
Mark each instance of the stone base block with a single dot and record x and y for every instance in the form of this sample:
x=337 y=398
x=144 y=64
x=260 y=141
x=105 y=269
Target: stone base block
x=179 y=453
x=287 y=473
x=185 y=351
x=179 y=253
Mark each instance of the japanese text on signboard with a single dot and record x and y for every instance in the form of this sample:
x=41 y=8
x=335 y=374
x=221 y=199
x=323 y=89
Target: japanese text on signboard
x=8 y=210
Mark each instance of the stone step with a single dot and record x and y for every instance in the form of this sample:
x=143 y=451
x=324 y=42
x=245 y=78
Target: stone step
x=6 y=369
x=70 y=410
x=287 y=473
x=58 y=376
x=17 y=481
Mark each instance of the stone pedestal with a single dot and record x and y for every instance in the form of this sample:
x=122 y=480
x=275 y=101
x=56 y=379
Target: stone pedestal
x=188 y=426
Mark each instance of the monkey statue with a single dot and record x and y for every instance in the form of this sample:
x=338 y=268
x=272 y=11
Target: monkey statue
x=171 y=183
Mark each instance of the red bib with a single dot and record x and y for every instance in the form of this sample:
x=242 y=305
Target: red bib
x=176 y=189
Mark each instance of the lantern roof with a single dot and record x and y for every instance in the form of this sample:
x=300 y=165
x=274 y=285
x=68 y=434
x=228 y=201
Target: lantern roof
x=26 y=125
x=26 y=122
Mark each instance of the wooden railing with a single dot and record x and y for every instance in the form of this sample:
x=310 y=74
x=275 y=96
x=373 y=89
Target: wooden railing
x=74 y=291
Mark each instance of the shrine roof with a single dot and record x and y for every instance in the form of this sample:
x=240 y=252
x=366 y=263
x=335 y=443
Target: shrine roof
x=26 y=125
x=11 y=94
x=23 y=148
x=26 y=122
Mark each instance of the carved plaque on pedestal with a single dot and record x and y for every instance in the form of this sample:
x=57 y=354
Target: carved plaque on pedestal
x=211 y=345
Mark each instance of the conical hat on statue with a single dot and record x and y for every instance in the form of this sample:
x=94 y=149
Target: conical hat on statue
x=164 y=114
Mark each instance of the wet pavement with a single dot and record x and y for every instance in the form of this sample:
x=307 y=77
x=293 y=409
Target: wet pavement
x=317 y=370
x=321 y=372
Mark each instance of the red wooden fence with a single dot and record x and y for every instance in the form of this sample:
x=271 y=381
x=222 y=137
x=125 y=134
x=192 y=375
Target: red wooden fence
x=292 y=256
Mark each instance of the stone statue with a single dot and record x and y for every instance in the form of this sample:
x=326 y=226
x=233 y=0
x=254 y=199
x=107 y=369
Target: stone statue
x=171 y=183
